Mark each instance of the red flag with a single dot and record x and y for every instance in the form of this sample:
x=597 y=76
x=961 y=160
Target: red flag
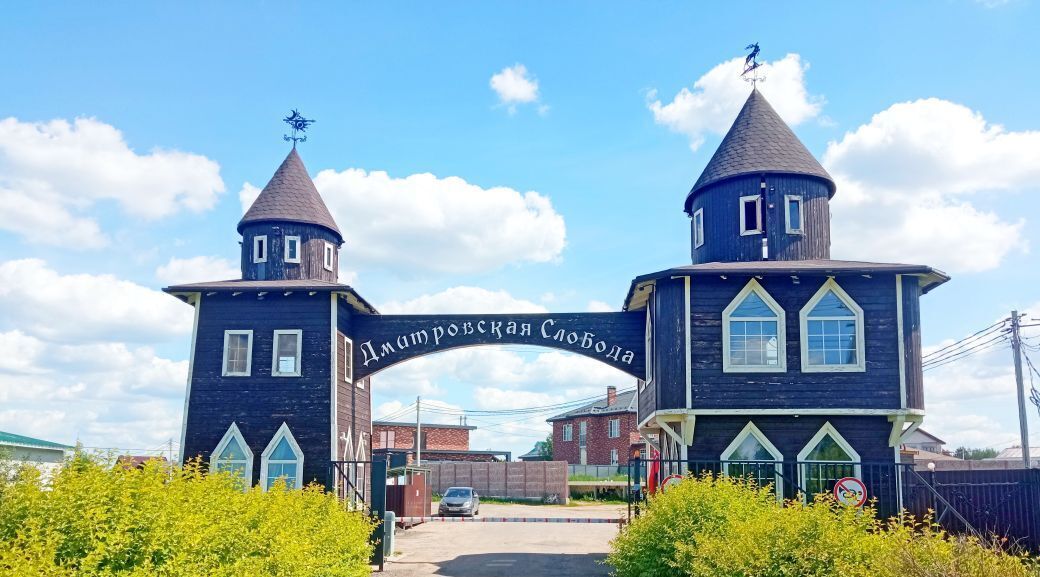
x=653 y=473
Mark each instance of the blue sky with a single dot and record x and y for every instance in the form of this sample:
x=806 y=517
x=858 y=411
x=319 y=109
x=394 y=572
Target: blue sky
x=572 y=175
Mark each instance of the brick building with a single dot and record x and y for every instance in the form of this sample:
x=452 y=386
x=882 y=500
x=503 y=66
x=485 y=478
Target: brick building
x=603 y=432
x=439 y=442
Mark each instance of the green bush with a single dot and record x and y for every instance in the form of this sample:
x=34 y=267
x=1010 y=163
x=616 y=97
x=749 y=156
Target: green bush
x=723 y=527
x=97 y=520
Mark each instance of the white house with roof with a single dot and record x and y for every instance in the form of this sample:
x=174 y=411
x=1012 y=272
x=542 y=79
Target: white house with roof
x=18 y=449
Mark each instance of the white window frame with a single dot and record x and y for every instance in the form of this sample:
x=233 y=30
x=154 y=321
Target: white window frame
x=299 y=249
x=257 y=242
x=788 y=199
x=648 y=349
x=568 y=432
x=781 y=331
x=614 y=428
x=826 y=429
x=698 y=228
x=299 y=353
x=757 y=198
x=613 y=456
x=249 y=354
x=234 y=433
x=751 y=430
x=583 y=434
x=348 y=362
x=329 y=256
x=803 y=317
x=282 y=431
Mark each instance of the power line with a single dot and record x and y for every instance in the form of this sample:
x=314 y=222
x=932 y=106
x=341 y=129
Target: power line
x=990 y=328
x=963 y=343
x=974 y=350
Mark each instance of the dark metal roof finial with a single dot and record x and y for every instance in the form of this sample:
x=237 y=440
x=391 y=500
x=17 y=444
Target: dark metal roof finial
x=299 y=124
x=751 y=65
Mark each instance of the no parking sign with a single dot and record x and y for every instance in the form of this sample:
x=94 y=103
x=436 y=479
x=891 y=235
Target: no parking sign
x=850 y=491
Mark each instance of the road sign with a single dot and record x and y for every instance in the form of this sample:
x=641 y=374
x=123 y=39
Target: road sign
x=669 y=481
x=850 y=491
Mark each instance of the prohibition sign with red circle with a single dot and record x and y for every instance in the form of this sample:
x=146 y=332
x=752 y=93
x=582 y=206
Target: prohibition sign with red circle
x=669 y=481
x=850 y=491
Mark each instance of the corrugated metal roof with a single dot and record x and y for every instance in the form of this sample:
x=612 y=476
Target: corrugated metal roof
x=623 y=404
x=23 y=441
x=290 y=196
x=759 y=142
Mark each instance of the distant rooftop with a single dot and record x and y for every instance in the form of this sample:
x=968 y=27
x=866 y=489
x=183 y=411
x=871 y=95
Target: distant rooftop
x=424 y=425
x=623 y=404
x=12 y=439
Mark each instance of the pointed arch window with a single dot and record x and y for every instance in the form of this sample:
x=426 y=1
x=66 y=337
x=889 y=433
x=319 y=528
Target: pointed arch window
x=826 y=458
x=753 y=333
x=282 y=459
x=752 y=455
x=832 y=332
x=232 y=455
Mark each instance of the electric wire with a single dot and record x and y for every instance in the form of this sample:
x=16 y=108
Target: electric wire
x=995 y=326
x=974 y=350
x=963 y=344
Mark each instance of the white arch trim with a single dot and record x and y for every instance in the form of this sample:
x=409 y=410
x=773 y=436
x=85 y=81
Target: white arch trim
x=750 y=430
x=283 y=431
x=781 y=331
x=234 y=433
x=803 y=317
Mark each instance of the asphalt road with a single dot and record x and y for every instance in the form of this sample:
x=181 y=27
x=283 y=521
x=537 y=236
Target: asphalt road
x=508 y=549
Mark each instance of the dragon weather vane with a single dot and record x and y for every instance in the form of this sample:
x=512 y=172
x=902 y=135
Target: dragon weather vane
x=299 y=125
x=751 y=65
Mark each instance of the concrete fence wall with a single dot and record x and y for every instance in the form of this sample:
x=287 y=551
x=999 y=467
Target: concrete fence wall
x=524 y=480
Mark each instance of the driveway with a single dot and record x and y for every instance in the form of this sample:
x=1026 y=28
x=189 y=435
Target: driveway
x=509 y=549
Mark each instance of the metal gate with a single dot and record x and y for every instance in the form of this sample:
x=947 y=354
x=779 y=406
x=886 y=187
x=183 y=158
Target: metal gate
x=361 y=485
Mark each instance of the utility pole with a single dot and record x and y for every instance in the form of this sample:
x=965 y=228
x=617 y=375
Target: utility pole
x=1016 y=349
x=418 y=432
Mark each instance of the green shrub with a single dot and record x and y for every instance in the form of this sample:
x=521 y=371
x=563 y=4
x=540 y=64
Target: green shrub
x=723 y=527
x=97 y=520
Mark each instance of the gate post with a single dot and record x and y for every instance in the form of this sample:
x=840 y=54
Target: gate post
x=377 y=508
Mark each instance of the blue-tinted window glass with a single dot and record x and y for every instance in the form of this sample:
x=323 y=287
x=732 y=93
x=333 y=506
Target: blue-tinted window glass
x=831 y=306
x=753 y=306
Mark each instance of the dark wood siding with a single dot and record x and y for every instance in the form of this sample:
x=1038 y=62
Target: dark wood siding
x=670 y=344
x=721 y=205
x=353 y=400
x=912 y=342
x=867 y=435
x=876 y=388
x=312 y=253
x=260 y=403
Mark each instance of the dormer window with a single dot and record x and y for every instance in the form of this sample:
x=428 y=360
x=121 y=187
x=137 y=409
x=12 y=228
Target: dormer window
x=330 y=256
x=753 y=334
x=698 y=228
x=292 y=249
x=832 y=332
x=750 y=215
x=793 y=214
x=260 y=248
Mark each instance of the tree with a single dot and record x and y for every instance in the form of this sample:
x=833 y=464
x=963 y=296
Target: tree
x=974 y=454
x=547 y=447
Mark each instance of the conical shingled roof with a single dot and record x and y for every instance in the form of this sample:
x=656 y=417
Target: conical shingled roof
x=290 y=196
x=759 y=142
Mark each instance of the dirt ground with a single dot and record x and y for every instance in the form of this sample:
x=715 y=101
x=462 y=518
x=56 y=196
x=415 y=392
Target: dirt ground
x=509 y=549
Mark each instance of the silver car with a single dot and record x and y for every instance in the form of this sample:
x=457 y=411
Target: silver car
x=459 y=501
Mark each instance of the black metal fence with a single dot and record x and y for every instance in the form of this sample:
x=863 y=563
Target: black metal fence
x=1004 y=503
x=361 y=485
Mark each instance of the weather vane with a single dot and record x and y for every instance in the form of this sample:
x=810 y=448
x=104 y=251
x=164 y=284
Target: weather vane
x=751 y=65
x=299 y=124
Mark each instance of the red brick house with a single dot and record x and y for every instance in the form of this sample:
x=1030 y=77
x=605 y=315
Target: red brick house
x=439 y=442
x=602 y=432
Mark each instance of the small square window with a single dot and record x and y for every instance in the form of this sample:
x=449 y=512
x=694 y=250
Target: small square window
x=330 y=256
x=750 y=215
x=698 y=228
x=292 y=249
x=287 y=345
x=348 y=363
x=238 y=353
x=793 y=214
x=260 y=248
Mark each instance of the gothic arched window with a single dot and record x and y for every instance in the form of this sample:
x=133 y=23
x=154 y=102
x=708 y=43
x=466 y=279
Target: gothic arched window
x=752 y=455
x=753 y=334
x=233 y=456
x=282 y=459
x=832 y=331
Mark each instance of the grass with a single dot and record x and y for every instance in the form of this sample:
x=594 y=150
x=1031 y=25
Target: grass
x=583 y=477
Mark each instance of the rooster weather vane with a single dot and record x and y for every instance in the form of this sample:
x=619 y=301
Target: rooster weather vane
x=751 y=65
x=299 y=125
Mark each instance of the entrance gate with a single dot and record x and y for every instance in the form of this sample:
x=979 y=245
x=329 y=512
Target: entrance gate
x=361 y=485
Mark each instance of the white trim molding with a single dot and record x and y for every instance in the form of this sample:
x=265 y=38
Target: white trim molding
x=282 y=432
x=827 y=430
x=788 y=199
x=224 y=356
x=698 y=228
x=348 y=362
x=757 y=199
x=297 y=369
x=196 y=301
x=649 y=342
x=329 y=256
x=299 y=248
x=781 y=331
x=214 y=458
x=750 y=430
x=830 y=286
x=900 y=345
x=260 y=247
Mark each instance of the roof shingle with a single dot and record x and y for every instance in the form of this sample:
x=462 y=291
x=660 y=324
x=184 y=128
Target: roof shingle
x=290 y=196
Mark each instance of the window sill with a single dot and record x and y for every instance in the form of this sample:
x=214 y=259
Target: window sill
x=285 y=374
x=753 y=369
x=235 y=374
x=750 y=232
x=834 y=369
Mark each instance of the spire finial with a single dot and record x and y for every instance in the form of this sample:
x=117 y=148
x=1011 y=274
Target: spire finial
x=299 y=124
x=751 y=65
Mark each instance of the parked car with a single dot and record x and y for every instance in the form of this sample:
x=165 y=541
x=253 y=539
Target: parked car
x=459 y=501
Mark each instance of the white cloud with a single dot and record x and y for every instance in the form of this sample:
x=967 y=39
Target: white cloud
x=84 y=307
x=462 y=300
x=53 y=173
x=514 y=85
x=425 y=223
x=595 y=306
x=718 y=95
x=906 y=181
x=197 y=269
